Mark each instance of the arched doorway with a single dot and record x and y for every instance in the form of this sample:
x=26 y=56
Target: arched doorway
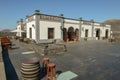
x=76 y=34
x=71 y=34
x=65 y=36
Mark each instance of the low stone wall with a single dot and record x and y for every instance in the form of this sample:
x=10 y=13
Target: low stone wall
x=46 y=49
x=38 y=48
x=2 y=69
x=56 y=48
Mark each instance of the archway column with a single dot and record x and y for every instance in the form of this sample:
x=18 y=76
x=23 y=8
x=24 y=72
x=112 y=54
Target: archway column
x=62 y=25
x=37 y=27
x=92 y=33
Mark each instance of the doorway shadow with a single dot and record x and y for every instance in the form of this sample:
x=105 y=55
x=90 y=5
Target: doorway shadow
x=9 y=69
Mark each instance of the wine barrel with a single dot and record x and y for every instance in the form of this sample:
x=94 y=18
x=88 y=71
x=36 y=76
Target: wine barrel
x=30 y=69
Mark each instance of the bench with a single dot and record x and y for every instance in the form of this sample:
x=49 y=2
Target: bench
x=5 y=42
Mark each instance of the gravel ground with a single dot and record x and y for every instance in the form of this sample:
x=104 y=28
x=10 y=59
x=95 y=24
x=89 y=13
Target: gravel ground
x=90 y=60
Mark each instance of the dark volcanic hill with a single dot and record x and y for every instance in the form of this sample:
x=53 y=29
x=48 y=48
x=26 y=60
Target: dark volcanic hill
x=115 y=24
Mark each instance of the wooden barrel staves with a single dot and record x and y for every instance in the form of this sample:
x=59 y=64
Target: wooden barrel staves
x=30 y=69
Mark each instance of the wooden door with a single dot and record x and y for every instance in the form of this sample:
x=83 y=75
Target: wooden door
x=50 y=33
x=106 y=34
x=86 y=33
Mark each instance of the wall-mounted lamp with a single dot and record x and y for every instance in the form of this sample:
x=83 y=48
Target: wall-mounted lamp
x=33 y=26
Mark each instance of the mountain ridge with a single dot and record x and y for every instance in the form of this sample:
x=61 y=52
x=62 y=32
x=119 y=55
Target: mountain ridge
x=115 y=24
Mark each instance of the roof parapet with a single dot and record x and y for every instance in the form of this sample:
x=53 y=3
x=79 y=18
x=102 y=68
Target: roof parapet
x=108 y=25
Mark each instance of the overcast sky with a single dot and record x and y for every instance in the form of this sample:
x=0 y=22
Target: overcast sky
x=99 y=10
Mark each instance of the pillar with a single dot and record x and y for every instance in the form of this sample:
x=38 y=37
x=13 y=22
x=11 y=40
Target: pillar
x=92 y=34
x=37 y=25
x=80 y=26
x=62 y=25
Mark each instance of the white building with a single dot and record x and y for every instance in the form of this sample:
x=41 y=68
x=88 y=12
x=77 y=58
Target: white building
x=21 y=29
x=43 y=27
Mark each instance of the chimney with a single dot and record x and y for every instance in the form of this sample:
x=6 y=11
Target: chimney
x=92 y=20
x=27 y=16
x=80 y=18
x=61 y=15
x=21 y=20
x=37 y=12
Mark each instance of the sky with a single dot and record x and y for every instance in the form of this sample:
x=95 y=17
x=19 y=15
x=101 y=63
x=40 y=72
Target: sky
x=100 y=10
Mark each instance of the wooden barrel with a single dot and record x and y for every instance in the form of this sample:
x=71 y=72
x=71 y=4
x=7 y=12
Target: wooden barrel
x=30 y=69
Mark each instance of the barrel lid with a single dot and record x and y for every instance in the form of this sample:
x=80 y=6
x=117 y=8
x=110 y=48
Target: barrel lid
x=32 y=60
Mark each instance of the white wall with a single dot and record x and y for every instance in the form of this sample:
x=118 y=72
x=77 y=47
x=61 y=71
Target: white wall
x=97 y=24
x=102 y=30
x=30 y=25
x=44 y=25
x=71 y=21
x=83 y=28
x=67 y=25
x=19 y=34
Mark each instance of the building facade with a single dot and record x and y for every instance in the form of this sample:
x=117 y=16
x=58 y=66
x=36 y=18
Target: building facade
x=43 y=27
x=21 y=28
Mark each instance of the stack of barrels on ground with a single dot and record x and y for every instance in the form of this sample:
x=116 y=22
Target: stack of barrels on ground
x=30 y=69
x=6 y=43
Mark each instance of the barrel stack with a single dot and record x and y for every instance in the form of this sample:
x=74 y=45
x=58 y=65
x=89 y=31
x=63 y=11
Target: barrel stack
x=30 y=69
